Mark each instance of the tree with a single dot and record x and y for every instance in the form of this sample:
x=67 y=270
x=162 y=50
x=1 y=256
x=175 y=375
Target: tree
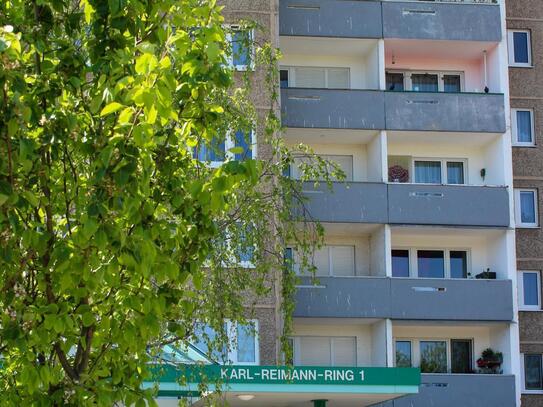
x=114 y=239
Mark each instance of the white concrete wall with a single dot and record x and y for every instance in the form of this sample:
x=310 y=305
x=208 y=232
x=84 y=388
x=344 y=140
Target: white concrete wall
x=379 y=343
x=376 y=157
x=378 y=255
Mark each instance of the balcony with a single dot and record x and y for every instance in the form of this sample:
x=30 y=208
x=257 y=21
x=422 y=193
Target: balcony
x=455 y=112
x=412 y=111
x=465 y=20
x=324 y=18
x=405 y=299
x=332 y=108
x=415 y=204
x=458 y=21
x=448 y=390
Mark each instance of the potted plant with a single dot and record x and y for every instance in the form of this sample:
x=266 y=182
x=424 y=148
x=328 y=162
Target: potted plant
x=489 y=275
x=490 y=361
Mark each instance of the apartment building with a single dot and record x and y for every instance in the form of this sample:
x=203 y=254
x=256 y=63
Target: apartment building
x=525 y=36
x=416 y=298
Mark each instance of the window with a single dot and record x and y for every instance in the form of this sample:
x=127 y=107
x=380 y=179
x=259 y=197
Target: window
x=431 y=81
x=315 y=77
x=532 y=372
x=242 y=347
x=435 y=171
x=242 y=48
x=324 y=351
x=461 y=356
x=522 y=125
x=526 y=208
x=529 y=290
x=429 y=263
x=519 y=48
x=403 y=354
x=433 y=356
x=333 y=261
x=400 y=263
x=216 y=152
x=344 y=162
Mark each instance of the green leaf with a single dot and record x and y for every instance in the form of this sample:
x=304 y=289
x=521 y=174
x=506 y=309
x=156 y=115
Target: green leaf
x=146 y=63
x=111 y=108
x=126 y=115
x=87 y=319
x=3 y=199
x=31 y=198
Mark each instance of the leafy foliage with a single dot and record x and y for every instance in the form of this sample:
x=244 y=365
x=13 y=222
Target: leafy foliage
x=114 y=240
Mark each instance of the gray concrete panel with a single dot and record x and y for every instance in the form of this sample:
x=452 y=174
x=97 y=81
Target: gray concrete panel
x=461 y=390
x=442 y=21
x=405 y=299
x=330 y=18
x=448 y=205
x=465 y=112
x=332 y=108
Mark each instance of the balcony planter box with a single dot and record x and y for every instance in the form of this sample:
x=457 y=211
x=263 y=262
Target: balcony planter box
x=488 y=275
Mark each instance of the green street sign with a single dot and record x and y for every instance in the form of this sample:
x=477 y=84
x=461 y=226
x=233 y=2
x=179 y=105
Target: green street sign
x=284 y=375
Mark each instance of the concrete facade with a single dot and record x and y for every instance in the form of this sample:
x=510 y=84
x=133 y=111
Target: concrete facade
x=526 y=92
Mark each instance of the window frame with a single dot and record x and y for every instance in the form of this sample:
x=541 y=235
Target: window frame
x=443 y=164
x=524 y=390
x=413 y=261
x=514 y=128
x=520 y=288
x=241 y=67
x=511 y=49
x=291 y=69
x=229 y=143
x=408 y=83
x=411 y=356
x=232 y=327
x=518 y=214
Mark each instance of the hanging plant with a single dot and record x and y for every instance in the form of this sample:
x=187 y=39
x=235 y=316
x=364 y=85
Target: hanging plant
x=397 y=173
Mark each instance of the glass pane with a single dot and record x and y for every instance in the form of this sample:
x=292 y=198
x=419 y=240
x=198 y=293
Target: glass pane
x=315 y=351
x=244 y=141
x=460 y=356
x=532 y=372
x=342 y=260
x=524 y=126
x=531 y=289
x=455 y=172
x=246 y=344
x=240 y=48
x=403 y=354
x=214 y=151
x=206 y=340
x=431 y=263
x=395 y=81
x=338 y=78
x=424 y=82
x=310 y=77
x=433 y=357
x=428 y=172
x=344 y=351
x=400 y=263
x=283 y=78
x=451 y=83
x=520 y=45
x=527 y=207
x=459 y=264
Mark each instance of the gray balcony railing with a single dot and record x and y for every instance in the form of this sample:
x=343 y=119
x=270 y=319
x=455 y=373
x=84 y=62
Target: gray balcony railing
x=455 y=390
x=406 y=204
x=464 y=20
x=405 y=299
x=373 y=109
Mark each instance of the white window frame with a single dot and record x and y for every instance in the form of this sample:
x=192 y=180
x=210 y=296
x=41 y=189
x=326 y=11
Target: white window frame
x=443 y=161
x=414 y=265
x=518 y=222
x=232 y=332
x=229 y=143
x=330 y=263
x=416 y=353
x=511 y=49
x=520 y=287
x=292 y=74
x=408 y=83
x=296 y=346
x=514 y=129
x=244 y=67
x=523 y=375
